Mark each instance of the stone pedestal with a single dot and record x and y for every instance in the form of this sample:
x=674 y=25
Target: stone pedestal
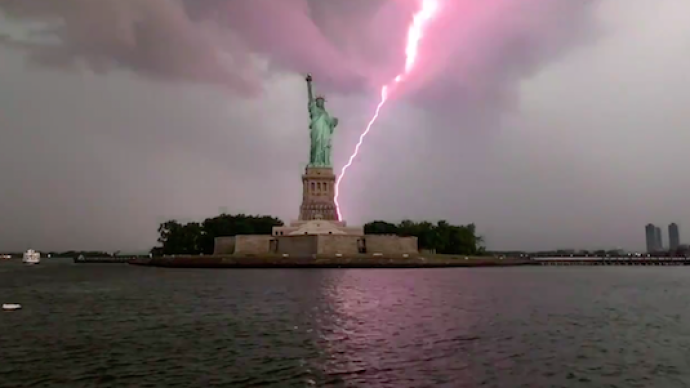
x=318 y=195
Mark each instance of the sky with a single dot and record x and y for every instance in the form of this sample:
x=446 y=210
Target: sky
x=548 y=123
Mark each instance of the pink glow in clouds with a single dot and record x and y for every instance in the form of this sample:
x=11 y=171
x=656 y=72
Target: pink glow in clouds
x=477 y=52
x=428 y=8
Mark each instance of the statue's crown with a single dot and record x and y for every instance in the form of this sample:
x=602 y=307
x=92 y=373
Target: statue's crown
x=320 y=97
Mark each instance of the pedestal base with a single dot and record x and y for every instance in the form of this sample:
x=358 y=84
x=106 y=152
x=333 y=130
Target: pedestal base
x=318 y=227
x=318 y=195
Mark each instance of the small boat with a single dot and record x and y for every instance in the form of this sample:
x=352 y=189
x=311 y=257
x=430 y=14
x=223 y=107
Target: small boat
x=11 y=306
x=31 y=257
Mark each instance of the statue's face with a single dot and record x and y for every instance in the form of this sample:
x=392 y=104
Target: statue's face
x=320 y=102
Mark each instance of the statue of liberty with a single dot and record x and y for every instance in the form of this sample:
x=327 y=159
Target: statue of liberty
x=321 y=128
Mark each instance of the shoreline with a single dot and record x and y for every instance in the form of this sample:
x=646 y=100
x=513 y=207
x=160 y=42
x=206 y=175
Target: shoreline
x=328 y=261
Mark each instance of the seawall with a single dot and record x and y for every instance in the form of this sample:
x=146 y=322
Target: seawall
x=101 y=260
x=354 y=261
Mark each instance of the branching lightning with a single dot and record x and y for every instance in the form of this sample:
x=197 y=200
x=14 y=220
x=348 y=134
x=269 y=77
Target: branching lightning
x=415 y=32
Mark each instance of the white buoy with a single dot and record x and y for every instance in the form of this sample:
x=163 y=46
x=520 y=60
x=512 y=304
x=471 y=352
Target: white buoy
x=11 y=306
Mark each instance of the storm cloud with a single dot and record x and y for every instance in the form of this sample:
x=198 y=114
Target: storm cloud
x=473 y=50
x=532 y=118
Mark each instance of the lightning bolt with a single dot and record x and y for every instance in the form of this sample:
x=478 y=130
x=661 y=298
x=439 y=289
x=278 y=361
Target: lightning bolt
x=415 y=32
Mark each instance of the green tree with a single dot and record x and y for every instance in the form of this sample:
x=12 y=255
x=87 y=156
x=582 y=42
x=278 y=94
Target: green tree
x=380 y=227
x=195 y=238
x=229 y=225
x=177 y=238
x=442 y=237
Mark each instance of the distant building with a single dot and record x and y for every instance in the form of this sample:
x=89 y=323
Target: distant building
x=673 y=237
x=650 y=237
x=653 y=238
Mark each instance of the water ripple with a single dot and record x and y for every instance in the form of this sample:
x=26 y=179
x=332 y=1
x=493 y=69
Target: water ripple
x=115 y=326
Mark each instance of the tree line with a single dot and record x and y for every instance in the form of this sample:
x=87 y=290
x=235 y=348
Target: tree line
x=442 y=237
x=192 y=238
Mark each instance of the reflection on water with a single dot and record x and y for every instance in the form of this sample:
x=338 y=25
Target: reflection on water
x=374 y=331
x=113 y=326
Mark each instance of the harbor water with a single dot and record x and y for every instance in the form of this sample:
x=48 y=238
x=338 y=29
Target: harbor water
x=115 y=325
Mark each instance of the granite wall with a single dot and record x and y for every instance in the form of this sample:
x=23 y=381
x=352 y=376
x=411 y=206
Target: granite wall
x=390 y=244
x=253 y=244
x=333 y=244
x=314 y=244
x=224 y=245
x=297 y=245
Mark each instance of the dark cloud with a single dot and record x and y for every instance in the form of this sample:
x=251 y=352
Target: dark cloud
x=97 y=159
x=473 y=49
x=156 y=38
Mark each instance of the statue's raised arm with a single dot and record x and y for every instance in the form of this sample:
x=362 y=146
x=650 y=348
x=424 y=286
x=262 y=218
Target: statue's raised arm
x=309 y=89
